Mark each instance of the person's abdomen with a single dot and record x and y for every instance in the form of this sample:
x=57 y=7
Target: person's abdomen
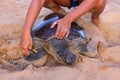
x=65 y=3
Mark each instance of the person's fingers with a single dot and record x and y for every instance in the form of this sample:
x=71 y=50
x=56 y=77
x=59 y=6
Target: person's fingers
x=24 y=48
x=54 y=24
x=26 y=52
x=57 y=35
x=23 y=51
x=63 y=32
x=30 y=45
x=67 y=33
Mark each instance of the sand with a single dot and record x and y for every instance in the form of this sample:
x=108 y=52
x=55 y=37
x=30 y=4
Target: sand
x=104 y=67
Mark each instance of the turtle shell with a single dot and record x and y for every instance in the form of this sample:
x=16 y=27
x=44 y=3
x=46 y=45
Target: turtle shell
x=47 y=33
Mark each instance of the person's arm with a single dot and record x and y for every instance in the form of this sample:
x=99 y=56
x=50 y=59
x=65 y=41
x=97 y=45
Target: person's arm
x=33 y=11
x=64 y=24
x=84 y=7
x=32 y=14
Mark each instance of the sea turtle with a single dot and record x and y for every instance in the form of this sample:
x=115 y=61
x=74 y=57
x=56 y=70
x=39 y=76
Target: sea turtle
x=64 y=51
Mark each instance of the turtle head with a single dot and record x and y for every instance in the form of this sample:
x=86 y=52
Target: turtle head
x=89 y=48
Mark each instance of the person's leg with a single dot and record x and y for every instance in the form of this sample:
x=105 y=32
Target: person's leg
x=52 y=5
x=97 y=11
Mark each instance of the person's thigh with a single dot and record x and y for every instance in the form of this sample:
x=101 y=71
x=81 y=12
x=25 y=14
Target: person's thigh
x=64 y=3
x=55 y=5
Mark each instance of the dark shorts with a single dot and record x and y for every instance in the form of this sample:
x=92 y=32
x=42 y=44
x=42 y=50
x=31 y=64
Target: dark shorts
x=74 y=3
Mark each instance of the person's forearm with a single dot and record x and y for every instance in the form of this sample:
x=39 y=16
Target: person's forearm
x=84 y=7
x=32 y=14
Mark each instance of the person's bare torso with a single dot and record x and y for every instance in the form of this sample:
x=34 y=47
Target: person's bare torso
x=65 y=3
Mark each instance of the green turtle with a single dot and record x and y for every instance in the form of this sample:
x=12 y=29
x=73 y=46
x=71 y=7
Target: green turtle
x=64 y=51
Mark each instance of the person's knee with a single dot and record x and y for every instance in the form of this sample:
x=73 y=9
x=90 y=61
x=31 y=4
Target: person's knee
x=101 y=3
x=50 y=4
x=99 y=8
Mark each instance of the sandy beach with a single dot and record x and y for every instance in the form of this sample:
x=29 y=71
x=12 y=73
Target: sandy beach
x=104 y=67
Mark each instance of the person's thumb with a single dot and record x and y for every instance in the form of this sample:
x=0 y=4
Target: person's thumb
x=54 y=24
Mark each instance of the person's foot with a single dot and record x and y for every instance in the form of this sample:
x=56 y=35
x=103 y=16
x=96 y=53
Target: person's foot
x=96 y=21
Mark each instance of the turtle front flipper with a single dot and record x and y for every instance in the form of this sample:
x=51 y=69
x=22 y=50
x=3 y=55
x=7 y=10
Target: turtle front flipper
x=38 y=54
x=66 y=56
x=61 y=53
x=37 y=57
x=14 y=65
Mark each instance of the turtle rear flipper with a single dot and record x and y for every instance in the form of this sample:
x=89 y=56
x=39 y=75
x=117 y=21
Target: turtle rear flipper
x=61 y=53
x=36 y=59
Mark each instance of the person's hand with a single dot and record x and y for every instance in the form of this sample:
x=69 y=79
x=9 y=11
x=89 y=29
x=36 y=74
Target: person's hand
x=63 y=28
x=26 y=43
